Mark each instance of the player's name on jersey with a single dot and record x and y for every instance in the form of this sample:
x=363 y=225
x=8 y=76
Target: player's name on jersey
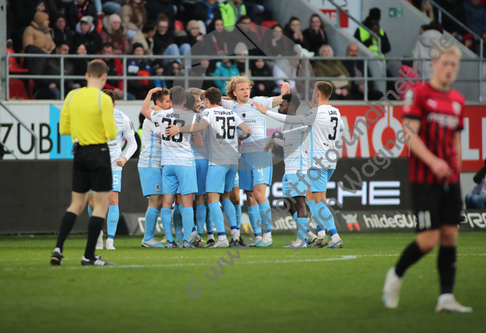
x=223 y=113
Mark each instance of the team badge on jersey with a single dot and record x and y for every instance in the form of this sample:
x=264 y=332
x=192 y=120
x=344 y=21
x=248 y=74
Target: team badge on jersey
x=456 y=106
x=409 y=97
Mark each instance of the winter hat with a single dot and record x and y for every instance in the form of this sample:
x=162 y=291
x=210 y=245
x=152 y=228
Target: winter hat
x=115 y=18
x=192 y=24
x=40 y=17
x=241 y=48
x=88 y=19
x=375 y=14
x=135 y=46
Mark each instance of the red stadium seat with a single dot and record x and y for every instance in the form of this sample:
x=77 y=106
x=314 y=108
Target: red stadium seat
x=269 y=24
x=13 y=66
x=178 y=25
x=17 y=89
x=99 y=27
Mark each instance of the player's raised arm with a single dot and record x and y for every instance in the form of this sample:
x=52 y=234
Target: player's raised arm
x=285 y=89
x=304 y=119
x=146 y=103
x=193 y=128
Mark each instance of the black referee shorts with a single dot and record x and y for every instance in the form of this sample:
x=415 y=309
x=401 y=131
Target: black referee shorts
x=92 y=169
x=436 y=204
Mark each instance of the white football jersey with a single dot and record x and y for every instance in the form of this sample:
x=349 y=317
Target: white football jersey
x=223 y=136
x=254 y=119
x=296 y=145
x=176 y=150
x=151 y=154
x=203 y=152
x=124 y=129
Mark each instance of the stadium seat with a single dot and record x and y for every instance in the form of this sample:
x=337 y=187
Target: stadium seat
x=269 y=24
x=17 y=89
x=13 y=66
x=178 y=25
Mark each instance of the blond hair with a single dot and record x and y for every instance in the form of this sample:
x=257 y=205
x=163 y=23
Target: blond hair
x=436 y=54
x=231 y=85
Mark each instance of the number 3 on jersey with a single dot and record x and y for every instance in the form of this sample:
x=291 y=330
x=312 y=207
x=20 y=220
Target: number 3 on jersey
x=333 y=135
x=177 y=122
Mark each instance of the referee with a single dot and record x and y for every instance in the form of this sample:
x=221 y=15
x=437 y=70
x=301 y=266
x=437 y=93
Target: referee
x=87 y=115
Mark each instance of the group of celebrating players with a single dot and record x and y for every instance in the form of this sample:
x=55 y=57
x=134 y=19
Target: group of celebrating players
x=190 y=160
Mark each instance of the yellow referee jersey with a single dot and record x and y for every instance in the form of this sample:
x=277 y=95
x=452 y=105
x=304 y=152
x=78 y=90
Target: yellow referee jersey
x=87 y=115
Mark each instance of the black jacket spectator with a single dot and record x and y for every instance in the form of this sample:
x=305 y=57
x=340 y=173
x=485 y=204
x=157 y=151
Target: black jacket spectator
x=203 y=11
x=455 y=8
x=156 y=7
x=61 y=32
x=293 y=31
x=262 y=88
x=91 y=39
x=24 y=11
x=218 y=40
x=357 y=93
x=163 y=37
x=315 y=35
x=75 y=10
x=275 y=43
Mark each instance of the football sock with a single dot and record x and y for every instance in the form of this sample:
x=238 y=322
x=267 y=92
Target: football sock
x=446 y=263
x=112 y=221
x=166 y=223
x=315 y=218
x=295 y=217
x=301 y=221
x=94 y=228
x=254 y=216
x=266 y=216
x=90 y=211
x=217 y=217
x=187 y=221
x=229 y=211
x=238 y=216
x=410 y=256
x=325 y=217
x=177 y=222
x=67 y=224
x=200 y=218
x=209 y=223
x=150 y=221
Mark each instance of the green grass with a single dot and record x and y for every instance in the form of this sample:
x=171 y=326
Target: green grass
x=266 y=290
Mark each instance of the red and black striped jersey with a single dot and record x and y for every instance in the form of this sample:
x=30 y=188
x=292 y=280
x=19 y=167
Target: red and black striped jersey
x=441 y=116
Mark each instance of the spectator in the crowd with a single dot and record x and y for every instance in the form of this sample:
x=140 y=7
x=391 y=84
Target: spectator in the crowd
x=187 y=44
x=230 y=12
x=217 y=42
x=469 y=41
x=61 y=32
x=158 y=70
x=227 y=68
x=146 y=37
x=251 y=38
x=293 y=31
x=372 y=22
x=242 y=51
x=287 y=69
x=140 y=67
x=115 y=32
x=315 y=35
x=87 y=35
x=333 y=68
x=172 y=69
x=80 y=65
x=427 y=9
x=203 y=11
x=115 y=68
x=164 y=40
x=133 y=16
x=256 y=7
x=275 y=43
x=204 y=72
x=454 y=8
x=108 y=7
x=156 y=7
x=38 y=33
x=425 y=43
x=262 y=88
x=50 y=88
x=476 y=16
x=477 y=198
x=356 y=70
x=78 y=9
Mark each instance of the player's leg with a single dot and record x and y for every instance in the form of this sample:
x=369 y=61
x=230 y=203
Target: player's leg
x=187 y=179
x=229 y=208
x=235 y=199
x=100 y=208
x=215 y=186
x=209 y=225
x=201 y=173
x=151 y=181
x=262 y=177
x=177 y=218
x=218 y=219
x=246 y=184
x=446 y=260
x=112 y=220
x=90 y=203
x=426 y=202
x=99 y=243
x=171 y=184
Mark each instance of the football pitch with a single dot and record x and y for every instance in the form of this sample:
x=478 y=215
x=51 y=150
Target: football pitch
x=264 y=290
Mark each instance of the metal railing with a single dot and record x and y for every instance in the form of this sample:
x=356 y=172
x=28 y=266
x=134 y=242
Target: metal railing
x=183 y=78
x=442 y=10
x=32 y=133
x=338 y=24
